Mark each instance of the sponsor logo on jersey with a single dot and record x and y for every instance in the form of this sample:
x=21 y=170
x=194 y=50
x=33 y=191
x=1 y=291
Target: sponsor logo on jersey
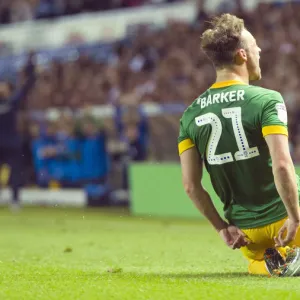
x=221 y=98
x=282 y=113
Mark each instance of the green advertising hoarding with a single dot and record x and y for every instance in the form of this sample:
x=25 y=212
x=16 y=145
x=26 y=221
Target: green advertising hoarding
x=156 y=190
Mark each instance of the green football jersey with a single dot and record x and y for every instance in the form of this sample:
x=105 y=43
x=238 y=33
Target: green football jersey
x=227 y=124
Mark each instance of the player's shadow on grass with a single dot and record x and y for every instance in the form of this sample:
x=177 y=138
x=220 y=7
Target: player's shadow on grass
x=229 y=275
x=189 y=276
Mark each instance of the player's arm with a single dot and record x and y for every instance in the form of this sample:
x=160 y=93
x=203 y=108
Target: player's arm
x=284 y=174
x=286 y=184
x=274 y=129
x=192 y=170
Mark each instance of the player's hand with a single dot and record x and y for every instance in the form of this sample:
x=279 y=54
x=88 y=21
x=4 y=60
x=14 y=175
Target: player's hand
x=233 y=237
x=289 y=230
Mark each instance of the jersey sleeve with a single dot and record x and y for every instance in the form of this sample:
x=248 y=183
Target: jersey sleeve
x=274 y=115
x=184 y=140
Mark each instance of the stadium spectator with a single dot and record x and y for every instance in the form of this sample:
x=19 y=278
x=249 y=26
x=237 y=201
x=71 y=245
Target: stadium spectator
x=43 y=151
x=21 y=11
x=10 y=139
x=133 y=132
x=95 y=158
x=132 y=126
x=5 y=17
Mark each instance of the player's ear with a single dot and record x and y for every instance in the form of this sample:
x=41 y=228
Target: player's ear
x=240 y=56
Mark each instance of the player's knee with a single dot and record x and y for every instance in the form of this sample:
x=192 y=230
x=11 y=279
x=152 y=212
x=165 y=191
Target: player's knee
x=257 y=267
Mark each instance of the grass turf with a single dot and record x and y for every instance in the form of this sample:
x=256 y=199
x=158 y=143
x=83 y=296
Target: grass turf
x=93 y=254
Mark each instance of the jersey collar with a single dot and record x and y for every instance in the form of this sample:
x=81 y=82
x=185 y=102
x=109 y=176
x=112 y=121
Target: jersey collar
x=226 y=83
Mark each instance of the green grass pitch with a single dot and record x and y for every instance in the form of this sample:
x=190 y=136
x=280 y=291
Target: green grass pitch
x=70 y=254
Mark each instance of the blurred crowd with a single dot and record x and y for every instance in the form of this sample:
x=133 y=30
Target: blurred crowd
x=163 y=66
x=12 y=11
x=74 y=152
x=166 y=66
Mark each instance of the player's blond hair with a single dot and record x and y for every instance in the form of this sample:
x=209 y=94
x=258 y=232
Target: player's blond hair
x=221 y=41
